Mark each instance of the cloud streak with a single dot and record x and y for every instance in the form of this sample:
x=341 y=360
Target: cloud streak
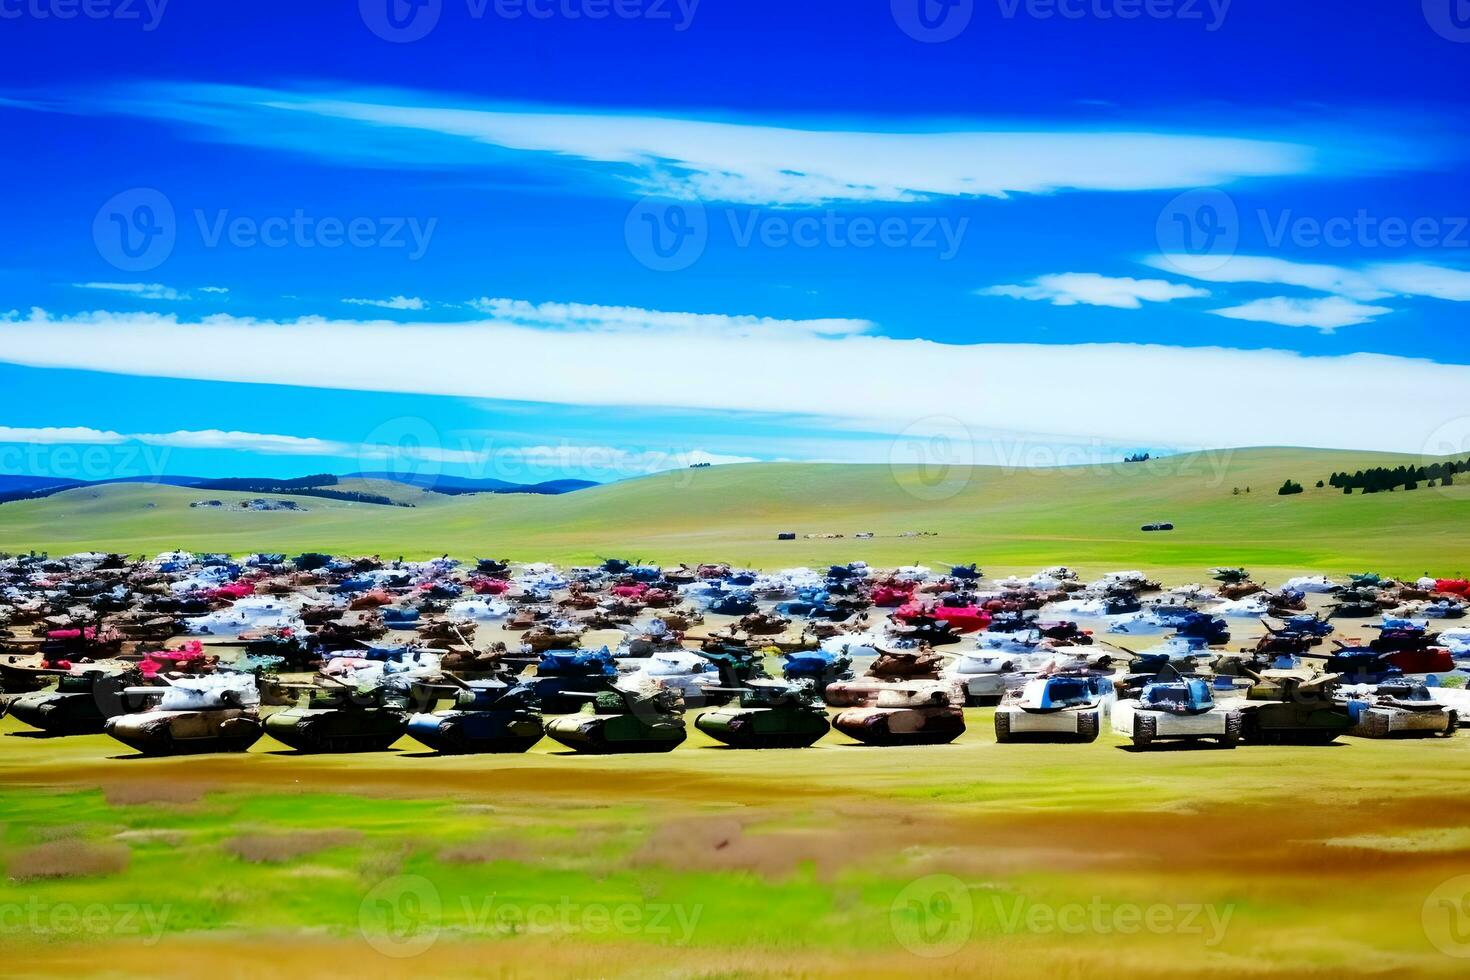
x=1091 y=289
x=736 y=161
x=1133 y=393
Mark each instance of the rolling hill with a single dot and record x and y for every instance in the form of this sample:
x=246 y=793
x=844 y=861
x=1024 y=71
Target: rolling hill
x=1007 y=519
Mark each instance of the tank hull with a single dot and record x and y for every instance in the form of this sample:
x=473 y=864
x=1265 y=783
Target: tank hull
x=771 y=729
x=337 y=730
x=59 y=714
x=187 y=732
x=901 y=726
x=477 y=732
x=604 y=735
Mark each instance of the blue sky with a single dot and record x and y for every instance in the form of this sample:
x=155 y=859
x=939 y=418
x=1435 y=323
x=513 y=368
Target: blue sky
x=543 y=238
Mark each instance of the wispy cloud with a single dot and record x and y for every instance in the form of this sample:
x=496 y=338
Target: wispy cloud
x=587 y=316
x=1132 y=393
x=1324 y=313
x=142 y=290
x=1365 y=283
x=392 y=303
x=741 y=161
x=1091 y=289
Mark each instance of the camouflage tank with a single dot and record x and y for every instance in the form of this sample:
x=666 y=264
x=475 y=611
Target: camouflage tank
x=80 y=704
x=768 y=715
x=622 y=721
x=921 y=712
x=1293 y=706
x=340 y=717
x=214 y=713
x=488 y=716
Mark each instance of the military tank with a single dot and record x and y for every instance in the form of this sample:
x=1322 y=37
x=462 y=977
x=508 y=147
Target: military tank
x=1177 y=708
x=1067 y=707
x=81 y=702
x=1293 y=706
x=195 y=715
x=622 y=720
x=920 y=712
x=338 y=716
x=1400 y=707
x=498 y=715
x=768 y=715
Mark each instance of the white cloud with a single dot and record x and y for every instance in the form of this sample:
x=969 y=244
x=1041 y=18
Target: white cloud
x=744 y=162
x=255 y=442
x=1091 y=289
x=394 y=303
x=1325 y=313
x=1371 y=282
x=584 y=316
x=142 y=290
x=220 y=290
x=1132 y=393
x=52 y=436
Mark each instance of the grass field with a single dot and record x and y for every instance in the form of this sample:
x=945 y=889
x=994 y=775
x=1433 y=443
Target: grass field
x=960 y=860
x=1007 y=519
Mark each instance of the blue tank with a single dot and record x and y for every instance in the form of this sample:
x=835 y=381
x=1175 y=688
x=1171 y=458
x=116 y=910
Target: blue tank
x=488 y=716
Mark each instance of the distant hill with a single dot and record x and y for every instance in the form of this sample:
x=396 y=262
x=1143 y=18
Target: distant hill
x=444 y=483
x=1224 y=506
x=14 y=487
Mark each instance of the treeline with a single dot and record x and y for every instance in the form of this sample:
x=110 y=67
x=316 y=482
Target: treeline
x=1384 y=479
x=256 y=485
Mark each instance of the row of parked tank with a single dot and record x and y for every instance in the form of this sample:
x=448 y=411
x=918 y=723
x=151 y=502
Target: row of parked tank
x=1053 y=681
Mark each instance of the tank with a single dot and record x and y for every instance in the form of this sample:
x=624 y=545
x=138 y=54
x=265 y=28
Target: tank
x=214 y=713
x=492 y=716
x=768 y=715
x=1400 y=708
x=80 y=704
x=1175 y=708
x=622 y=721
x=1061 y=708
x=340 y=717
x=1294 y=707
x=921 y=712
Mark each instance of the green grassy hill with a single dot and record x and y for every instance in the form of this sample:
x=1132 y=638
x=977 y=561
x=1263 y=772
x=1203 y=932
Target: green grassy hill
x=1007 y=519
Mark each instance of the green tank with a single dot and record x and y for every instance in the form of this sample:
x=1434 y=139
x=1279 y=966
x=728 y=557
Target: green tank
x=622 y=721
x=80 y=704
x=768 y=715
x=1293 y=706
x=342 y=718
